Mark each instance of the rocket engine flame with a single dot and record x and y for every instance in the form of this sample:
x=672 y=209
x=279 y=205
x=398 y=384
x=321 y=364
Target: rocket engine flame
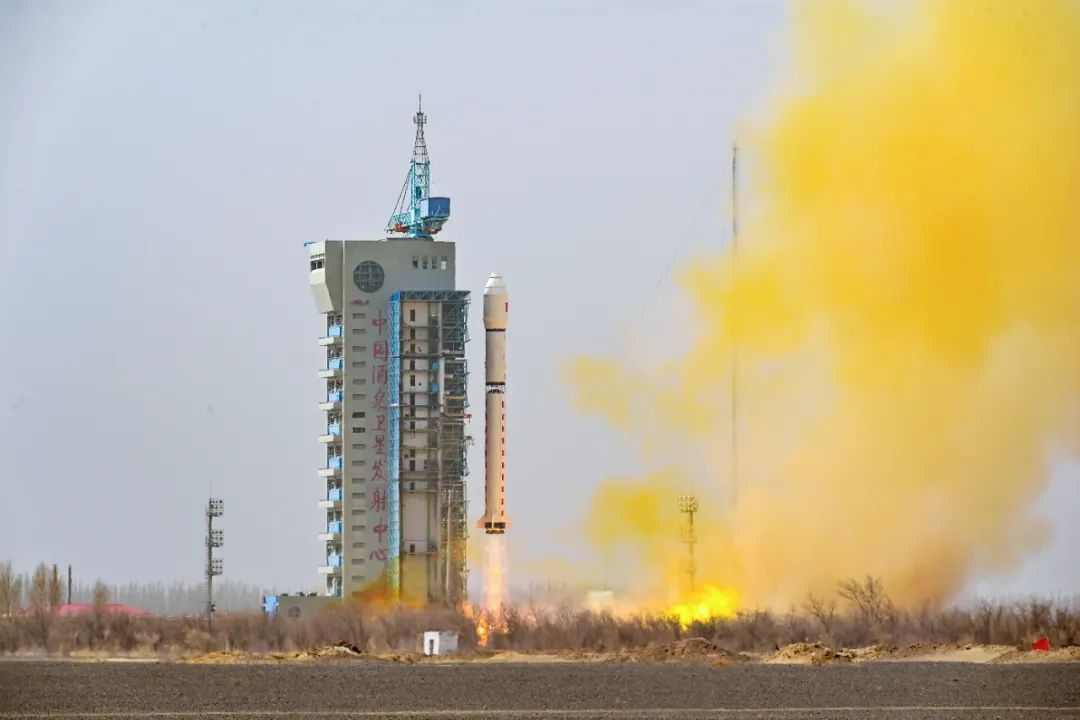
x=706 y=604
x=494 y=573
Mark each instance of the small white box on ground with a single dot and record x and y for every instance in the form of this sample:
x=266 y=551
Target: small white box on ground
x=440 y=642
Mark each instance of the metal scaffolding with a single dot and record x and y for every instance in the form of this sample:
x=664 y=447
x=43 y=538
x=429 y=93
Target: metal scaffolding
x=439 y=413
x=393 y=384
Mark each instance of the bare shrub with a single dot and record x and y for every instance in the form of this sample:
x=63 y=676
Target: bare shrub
x=54 y=589
x=198 y=639
x=823 y=610
x=868 y=598
x=39 y=588
x=1065 y=626
x=11 y=590
x=867 y=617
x=101 y=594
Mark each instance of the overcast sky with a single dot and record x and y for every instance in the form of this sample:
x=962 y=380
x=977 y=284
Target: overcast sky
x=162 y=164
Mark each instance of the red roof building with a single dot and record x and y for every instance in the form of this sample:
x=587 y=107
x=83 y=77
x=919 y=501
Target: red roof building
x=88 y=609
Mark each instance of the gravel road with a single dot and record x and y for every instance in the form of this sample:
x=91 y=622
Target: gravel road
x=371 y=689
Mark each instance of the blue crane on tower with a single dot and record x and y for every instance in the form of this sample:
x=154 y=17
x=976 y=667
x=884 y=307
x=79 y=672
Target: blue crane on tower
x=418 y=214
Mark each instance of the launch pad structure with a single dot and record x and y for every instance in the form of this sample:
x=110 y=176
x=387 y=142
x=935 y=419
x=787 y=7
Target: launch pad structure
x=396 y=404
x=427 y=440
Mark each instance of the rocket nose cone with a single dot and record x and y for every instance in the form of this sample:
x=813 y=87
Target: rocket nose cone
x=495 y=285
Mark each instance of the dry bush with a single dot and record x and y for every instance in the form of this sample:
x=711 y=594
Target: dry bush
x=868 y=618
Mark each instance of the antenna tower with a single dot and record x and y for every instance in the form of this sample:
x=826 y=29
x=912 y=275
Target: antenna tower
x=734 y=338
x=688 y=505
x=417 y=214
x=215 y=538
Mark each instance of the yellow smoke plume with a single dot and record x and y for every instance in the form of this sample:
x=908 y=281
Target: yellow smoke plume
x=904 y=307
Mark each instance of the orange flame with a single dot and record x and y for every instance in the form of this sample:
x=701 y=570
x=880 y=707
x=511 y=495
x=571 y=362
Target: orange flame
x=705 y=604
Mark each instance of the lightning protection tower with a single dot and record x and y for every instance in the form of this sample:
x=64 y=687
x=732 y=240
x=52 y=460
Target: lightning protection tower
x=688 y=505
x=215 y=538
x=417 y=214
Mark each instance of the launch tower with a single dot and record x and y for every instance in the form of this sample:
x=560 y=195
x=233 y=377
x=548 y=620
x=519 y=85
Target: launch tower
x=392 y=484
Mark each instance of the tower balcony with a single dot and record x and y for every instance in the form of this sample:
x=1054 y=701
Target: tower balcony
x=334 y=335
x=333 y=434
x=332 y=501
x=333 y=532
x=332 y=566
x=333 y=400
x=330 y=373
x=329 y=472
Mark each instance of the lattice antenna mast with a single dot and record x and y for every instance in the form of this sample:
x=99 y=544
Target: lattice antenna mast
x=215 y=538
x=688 y=505
x=421 y=164
x=734 y=340
x=417 y=214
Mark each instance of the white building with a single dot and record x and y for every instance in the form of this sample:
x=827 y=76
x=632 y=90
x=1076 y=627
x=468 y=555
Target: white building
x=392 y=484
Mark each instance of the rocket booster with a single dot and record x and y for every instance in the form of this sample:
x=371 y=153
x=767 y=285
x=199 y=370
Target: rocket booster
x=496 y=311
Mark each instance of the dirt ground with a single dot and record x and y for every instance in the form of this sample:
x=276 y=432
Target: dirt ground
x=690 y=650
x=679 y=689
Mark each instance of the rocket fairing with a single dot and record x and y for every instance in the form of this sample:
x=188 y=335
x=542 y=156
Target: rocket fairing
x=496 y=311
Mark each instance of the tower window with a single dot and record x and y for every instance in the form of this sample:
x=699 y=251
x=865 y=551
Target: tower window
x=369 y=276
x=412 y=314
x=423 y=262
x=416 y=261
x=442 y=263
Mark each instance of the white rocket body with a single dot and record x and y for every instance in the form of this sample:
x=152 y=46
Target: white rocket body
x=496 y=311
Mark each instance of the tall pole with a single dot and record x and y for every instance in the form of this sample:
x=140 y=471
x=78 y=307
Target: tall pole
x=688 y=505
x=69 y=584
x=209 y=572
x=734 y=338
x=214 y=539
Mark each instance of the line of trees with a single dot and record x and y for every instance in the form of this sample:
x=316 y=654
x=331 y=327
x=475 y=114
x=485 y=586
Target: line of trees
x=858 y=614
x=46 y=588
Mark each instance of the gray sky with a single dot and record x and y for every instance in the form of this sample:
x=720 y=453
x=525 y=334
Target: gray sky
x=161 y=165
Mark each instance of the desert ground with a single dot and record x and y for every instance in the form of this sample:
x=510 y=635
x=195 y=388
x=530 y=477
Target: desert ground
x=684 y=682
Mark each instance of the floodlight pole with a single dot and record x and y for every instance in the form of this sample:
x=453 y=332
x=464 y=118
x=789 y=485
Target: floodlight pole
x=215 y=507
x=688 y=505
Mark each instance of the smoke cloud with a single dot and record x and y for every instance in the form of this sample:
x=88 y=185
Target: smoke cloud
x=904 y=307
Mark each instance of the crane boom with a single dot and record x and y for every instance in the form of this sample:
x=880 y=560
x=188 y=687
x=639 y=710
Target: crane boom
x=418 y=214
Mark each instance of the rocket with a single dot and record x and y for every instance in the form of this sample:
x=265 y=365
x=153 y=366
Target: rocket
x=496 y=310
